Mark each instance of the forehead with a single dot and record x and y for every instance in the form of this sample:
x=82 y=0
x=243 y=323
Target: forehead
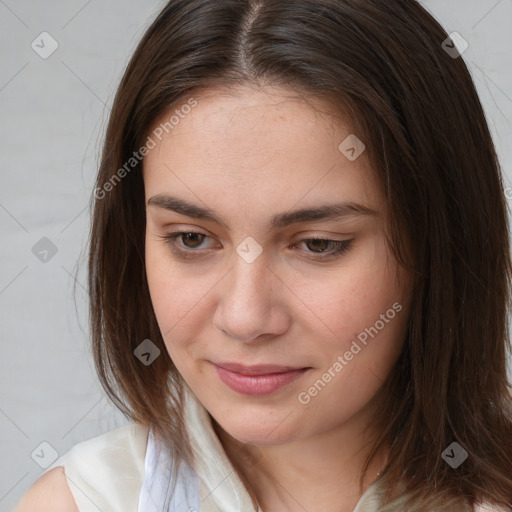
x=251 y=119
x=270 y=144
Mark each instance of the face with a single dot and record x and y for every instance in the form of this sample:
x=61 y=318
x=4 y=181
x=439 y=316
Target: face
x=266 y=257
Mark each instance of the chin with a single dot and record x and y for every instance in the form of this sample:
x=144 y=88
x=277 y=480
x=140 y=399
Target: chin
x=254 y=430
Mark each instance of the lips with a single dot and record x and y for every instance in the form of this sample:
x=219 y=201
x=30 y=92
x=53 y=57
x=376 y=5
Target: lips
x=261 y=369
x=257 y=380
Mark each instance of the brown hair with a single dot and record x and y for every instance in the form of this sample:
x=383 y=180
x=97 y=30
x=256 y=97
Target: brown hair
x=416 y=109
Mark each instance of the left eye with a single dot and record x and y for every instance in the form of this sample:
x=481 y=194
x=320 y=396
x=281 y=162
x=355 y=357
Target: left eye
x=320 y=247
x=193 y=240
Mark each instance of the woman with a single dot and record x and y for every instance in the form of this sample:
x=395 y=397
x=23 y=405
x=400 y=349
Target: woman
x=299 y=270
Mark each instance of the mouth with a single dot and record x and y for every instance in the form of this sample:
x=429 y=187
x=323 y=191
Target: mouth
x=257 y=379
x=260 y=369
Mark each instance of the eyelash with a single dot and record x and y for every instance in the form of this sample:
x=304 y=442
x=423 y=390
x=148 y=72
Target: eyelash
x=341 y=246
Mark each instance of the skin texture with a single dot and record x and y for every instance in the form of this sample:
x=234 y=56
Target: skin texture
x=49 y=493
x=249 y=154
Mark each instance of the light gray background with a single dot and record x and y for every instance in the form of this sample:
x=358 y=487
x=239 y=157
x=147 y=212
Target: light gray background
x=53 y=114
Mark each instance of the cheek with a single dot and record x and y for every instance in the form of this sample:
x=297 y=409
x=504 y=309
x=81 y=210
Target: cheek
x=361 y=329
x=335 y=308
x=180 y=298
x=356 y=363
x=173 y=294
x=352 y=300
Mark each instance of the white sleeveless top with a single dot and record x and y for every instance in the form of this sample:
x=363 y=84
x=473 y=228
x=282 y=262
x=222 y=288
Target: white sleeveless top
x=126 y=470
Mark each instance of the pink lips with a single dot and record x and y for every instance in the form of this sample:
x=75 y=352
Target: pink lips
x=257 y=380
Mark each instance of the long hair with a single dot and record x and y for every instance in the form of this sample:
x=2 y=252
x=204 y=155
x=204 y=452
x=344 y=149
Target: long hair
x=387 y=65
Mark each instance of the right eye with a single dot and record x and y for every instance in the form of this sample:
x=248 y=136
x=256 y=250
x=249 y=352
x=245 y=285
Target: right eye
x=190 y=243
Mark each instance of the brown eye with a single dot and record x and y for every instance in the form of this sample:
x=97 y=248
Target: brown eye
x=187 y=244
x=325 y=248
x=317 y=245
x=192 y=240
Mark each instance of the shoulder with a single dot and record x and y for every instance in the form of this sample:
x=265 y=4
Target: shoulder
x=103 y=470
x=50 y=493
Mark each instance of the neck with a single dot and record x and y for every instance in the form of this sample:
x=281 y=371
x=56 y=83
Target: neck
x=320 y=472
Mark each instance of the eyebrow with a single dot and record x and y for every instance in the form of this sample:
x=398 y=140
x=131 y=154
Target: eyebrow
x=337 y=211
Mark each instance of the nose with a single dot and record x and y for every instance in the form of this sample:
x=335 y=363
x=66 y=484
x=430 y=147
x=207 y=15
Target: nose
x=251 y=304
